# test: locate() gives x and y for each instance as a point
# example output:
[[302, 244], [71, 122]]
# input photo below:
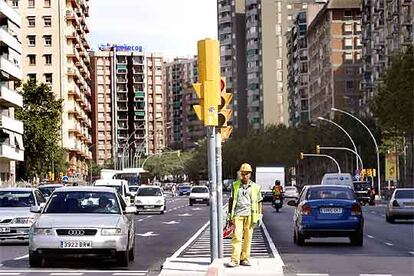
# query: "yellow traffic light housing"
[[301, 156], [225, 113], [318, 149], [208, 87]]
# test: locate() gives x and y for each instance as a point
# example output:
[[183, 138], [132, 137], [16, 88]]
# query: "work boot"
[[245, 263], [231, 264]]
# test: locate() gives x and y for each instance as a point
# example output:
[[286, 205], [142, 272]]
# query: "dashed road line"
[[312, 274], [21, 257], [9, 273], [411, 252], [389, 244], [375, 274], [66, 274], [369, 236]]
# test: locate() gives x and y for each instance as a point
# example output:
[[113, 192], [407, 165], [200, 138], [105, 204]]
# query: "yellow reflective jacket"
[[254, 196]]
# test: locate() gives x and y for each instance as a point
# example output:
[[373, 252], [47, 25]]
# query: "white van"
[[338, 179], [120, 185]]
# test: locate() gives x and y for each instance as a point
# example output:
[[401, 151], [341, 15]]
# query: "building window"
[[348, 28], [31, 76], [47, 3], [15, 3], [348, 56], [349, 85], [32, 59], [32, 40], [348, 43], [48, 40], [48, 78], [348, 15], [48, 21], [31, 3], [48, 59], [31, 21]]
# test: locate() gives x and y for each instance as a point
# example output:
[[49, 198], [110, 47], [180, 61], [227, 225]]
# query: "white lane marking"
[[19, 271], [148, 234], [382, 215], [66, 274], [185, 215], [375, 274], [9, 273], [389, 244], [411, 252], [272, 245], [140, 219], [312, 274], [196, 209], [184, 246], [130, 274], [171, 222], [21, 257], [369, 236], [149, 216]]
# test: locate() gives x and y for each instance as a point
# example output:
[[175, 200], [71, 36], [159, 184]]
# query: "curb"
[[214, 268]]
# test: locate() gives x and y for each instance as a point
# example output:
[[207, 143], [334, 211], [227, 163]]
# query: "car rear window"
[[404, 194], [362, 186], [199, 190], [329, 193], [149, 192]]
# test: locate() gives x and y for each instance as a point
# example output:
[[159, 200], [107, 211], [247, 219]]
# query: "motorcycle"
[[277, 202]]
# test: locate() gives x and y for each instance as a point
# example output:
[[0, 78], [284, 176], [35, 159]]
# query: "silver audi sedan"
[[83, 221], [15, 216]]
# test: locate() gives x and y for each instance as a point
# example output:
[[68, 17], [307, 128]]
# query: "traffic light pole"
[[212, 177], [219, 194]]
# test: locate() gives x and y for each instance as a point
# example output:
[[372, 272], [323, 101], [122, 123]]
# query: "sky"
[[171, 27]]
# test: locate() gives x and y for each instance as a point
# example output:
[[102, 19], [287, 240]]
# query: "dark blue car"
[[327, 211], [184, 190]]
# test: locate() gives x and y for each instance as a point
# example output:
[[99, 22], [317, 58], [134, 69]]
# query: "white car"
[[401, 205], [291, 192], [199, 194], [83, 221], [15, 215], [120, 185], [150, 199]]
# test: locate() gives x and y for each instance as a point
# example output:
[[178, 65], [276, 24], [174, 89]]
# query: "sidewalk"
[[193, 258]]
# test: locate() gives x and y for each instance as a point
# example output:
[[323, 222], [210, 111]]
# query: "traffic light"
[[301, 156], [224, 113], [318, 149], [208, 86]]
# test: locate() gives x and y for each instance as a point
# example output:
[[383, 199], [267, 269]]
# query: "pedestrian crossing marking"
[[200, 247]]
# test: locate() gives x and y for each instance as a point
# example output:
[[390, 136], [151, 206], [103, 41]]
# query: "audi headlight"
[[27, 220], [111, 231], [42, 231]]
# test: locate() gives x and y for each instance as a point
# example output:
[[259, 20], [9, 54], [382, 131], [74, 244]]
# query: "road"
[[158, 237], [388, 248]]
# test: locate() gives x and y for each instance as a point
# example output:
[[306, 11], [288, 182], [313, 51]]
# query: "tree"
[[41, 116], [393, 105]]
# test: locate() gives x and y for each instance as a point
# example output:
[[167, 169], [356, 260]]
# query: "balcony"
[[11, 124], [7, 11], [9, 70], [10, 152], [6, 38], [10, 98]]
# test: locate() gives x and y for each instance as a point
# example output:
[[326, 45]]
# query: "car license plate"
[[76, 244], [199, 199], [330, 210], [4, 230], [277, 201], [149, 206]]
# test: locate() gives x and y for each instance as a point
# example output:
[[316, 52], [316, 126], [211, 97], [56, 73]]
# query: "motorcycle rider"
[[277, 192]]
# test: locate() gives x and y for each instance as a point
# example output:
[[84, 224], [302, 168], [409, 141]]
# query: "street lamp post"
[[375, 143], [347, 149], [347, 134], [127, 145], [324, 155]]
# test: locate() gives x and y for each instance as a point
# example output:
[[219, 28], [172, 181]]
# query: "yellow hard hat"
[[245, 168]]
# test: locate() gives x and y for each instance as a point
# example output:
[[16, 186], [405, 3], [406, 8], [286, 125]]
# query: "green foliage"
[[41, 115], [393, 105], [167, 163]]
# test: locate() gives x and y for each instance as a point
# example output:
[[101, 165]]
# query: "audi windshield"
[[83, 202], [16, 199]]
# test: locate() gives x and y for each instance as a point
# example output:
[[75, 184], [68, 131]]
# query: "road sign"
[[65, 178]]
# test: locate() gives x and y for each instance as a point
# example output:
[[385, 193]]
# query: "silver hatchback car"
[[401, 205], [83, 221]]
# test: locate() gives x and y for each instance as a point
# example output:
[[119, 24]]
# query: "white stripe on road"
[[375, 274], [9, 273], [130, 274], [181, 249], [311, 274], [272, 245], [369, 236], [411, 252], [389, 244], [21, 257], [66, 274]]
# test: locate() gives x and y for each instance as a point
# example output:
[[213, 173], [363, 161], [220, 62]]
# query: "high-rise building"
[[231, 19], [179, 75], [193, 128], [334, 55], [11, 130], [127, 105], [54, 40], [387, 26]]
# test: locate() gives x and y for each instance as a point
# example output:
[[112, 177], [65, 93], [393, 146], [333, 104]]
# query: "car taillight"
[[356, 209], [395, 203], [306, 210]]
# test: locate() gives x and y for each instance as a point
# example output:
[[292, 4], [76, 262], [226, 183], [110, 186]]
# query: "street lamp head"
[[321, 118], [334, 109]]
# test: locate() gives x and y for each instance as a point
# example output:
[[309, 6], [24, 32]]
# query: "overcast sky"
[[171, 27]]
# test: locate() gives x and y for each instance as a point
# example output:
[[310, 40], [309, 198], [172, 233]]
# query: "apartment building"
[[231, 17], [54, 47], [387, 26], [155, 103], [335, 58], [179, 75], [11, 130], [193, 128]]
